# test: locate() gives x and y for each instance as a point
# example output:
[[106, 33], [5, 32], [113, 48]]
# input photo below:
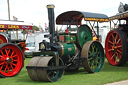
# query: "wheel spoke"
[[2, 63], [96, 62], [110, 42], [49, 73], [11, 67], [98, 57], [110, 49], [90, 59], [97, 50], [119, 51], [118, 40], [1, 56], [119, 46], [6, 52], [118, 57], [5, 68], [92, 66], [113, 55], [2, 52], [89, 51], [93, 47], [14, 60], [54, 74], [113, 37], [1, 67], [115, 59], [14, 64], [8, 69], [12, 54]]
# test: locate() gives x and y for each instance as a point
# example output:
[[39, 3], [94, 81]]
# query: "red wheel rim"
[[11, 60], [3, 39], [113, 47]]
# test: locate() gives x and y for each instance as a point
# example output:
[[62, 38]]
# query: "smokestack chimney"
[[51, 22]]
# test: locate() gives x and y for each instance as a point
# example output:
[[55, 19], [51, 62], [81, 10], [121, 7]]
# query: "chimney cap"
[[50, 6]]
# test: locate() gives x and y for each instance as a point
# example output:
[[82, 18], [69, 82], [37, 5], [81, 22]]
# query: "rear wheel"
[[116, 47], [11, 60], [93, 56]]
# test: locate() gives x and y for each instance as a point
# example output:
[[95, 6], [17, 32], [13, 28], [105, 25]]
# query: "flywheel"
[[84, 34]]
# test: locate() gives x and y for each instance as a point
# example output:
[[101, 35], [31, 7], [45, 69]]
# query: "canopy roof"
[[121, 16], [15, 25], [75, 17]]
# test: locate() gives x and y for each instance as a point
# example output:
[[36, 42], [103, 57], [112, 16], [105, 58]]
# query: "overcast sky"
[[35, 11]]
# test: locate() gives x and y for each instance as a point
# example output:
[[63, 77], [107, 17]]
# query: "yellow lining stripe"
[[62, 49]]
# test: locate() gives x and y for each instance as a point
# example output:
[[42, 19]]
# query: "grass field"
[[108, 74]]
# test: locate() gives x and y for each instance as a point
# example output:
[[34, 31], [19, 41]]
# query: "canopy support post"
[[97, 30]]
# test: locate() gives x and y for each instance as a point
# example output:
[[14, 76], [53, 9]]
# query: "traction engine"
[[11, 50], [67, 51], [116, 44]]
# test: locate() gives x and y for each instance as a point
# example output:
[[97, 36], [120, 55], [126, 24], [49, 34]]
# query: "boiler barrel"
[[65, 49]]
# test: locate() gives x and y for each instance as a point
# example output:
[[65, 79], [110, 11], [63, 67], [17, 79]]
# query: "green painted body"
[[67, 49], [69, 38]]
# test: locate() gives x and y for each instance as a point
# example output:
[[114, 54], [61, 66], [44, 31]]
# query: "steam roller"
[[65, 51]]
